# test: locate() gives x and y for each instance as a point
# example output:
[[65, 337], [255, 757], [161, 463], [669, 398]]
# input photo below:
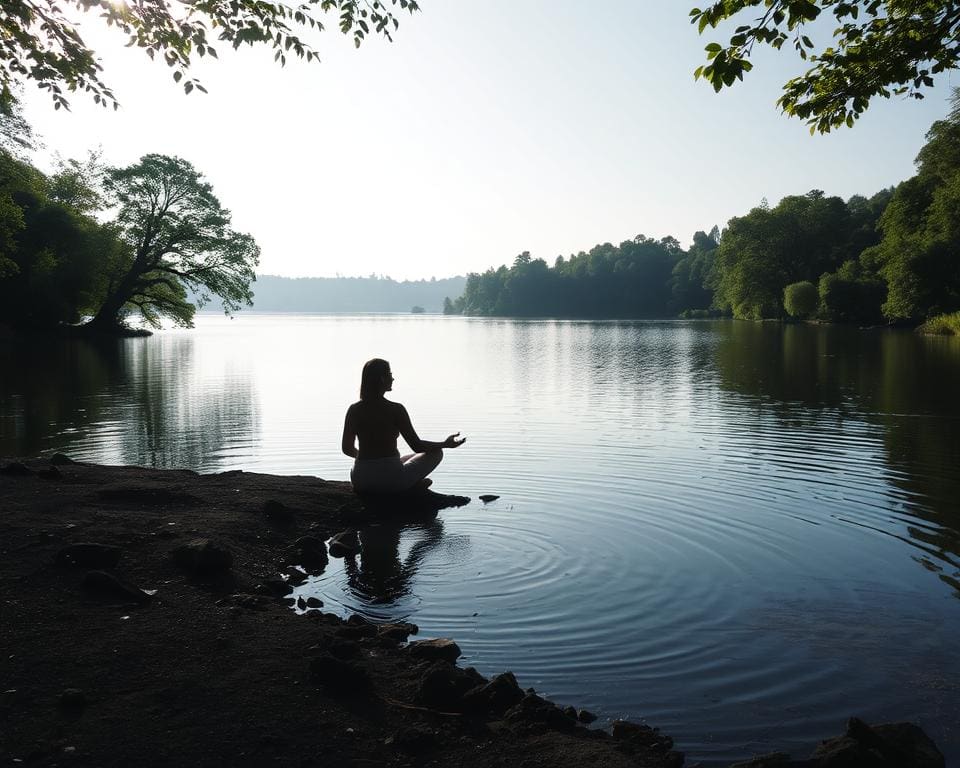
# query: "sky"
[[484, 130]]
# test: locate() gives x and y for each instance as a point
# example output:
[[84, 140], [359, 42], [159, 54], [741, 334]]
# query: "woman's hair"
[[371, 380]]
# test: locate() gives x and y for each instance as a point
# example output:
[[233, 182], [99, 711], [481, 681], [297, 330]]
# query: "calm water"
[[741, 533]]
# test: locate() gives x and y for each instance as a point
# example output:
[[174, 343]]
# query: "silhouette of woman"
[[375, 423]]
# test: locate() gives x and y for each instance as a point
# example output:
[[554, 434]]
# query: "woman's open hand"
[[454, 441]]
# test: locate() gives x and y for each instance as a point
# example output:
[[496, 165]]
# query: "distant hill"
[[349, 294]]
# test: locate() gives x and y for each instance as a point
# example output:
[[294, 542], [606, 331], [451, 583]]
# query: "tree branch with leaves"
[[39, 43], [879, 48]]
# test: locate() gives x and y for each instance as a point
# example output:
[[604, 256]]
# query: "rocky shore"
[[146, 620]]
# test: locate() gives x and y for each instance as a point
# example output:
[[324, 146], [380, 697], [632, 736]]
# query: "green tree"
[[178, 235], [40, 44], [879, 48], [919, 254], [800, 299]]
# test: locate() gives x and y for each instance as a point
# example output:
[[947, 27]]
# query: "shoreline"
[[214, 667]]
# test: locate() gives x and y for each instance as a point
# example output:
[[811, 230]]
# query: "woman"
[[375, 423]]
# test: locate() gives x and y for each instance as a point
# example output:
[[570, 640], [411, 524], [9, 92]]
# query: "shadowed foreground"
[[144, 621]]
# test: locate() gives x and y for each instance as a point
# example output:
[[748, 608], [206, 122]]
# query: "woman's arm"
[[413, 439], [349, 439]]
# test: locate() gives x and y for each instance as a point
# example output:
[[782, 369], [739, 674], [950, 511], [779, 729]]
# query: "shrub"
[[800, 299], [944, 325]]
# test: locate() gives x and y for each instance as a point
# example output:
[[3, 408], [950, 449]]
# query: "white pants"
[[394, 473]]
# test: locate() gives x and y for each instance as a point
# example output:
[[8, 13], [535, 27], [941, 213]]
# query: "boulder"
[[311, 553], [89, 555], [60, 459], [494, 697], [903, 745], [397, 631], [586, 716], [443, 686], [440, 649], [535, 710], [203, 559], [486, 498]]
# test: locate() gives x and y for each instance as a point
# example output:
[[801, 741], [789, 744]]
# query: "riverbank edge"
[[210, 665]]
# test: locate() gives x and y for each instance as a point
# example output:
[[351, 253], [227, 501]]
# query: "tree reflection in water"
[[904, 384]]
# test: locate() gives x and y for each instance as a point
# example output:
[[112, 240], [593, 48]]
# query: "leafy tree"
[[178, 235], [851, 293], [692, 275], [51, 255], [879, 48], [800, 299], [919, 255], [761, 253], [39, 43]]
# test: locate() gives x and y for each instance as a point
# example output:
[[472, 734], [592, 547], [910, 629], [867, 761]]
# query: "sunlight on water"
[[741, 533]]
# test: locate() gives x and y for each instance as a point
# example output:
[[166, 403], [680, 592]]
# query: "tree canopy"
[[179, 236], [38, 42], [879, 48]]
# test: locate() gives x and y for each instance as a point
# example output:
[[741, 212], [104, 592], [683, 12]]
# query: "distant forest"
[[891, 258], [272, 293]]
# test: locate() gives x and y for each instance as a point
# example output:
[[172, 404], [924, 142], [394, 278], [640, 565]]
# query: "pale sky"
[[486, 129]]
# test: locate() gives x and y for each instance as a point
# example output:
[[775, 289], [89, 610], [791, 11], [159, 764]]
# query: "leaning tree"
[[178, 237]]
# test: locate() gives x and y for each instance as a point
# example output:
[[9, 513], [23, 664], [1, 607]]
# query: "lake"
[[741, 533]]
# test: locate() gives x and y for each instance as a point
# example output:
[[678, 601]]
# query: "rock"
[[535, 710], [277, 512], [50, 473], [440, 649], [103, 584], [338, 675], [570, 712], [60, 459], [295, 576], [496, 696], [301, 603], [903, 745], [249, 602], [443, 686], [16, 469], [89, 555], [488, 497], [586, 716], [314, 602], [398, 631], [203, 559], [344, 544], [73, 698], [311, 553]]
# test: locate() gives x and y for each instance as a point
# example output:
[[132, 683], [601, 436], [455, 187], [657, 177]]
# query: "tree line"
[[105, 243], [893, 257]]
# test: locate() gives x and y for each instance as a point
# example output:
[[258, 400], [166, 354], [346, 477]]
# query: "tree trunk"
[[108, 316]]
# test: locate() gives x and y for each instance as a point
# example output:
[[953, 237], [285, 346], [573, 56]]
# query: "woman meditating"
[[375, 423]]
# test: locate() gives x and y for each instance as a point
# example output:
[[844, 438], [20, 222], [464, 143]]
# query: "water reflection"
[[383, 577], [903, 385], [155, 402]]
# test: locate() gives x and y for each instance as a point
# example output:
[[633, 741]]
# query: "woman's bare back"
[[376, 423]]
